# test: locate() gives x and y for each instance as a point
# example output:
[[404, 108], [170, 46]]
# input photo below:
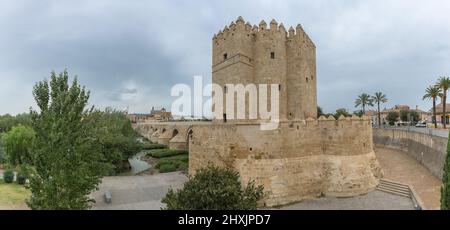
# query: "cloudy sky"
[[130, 53]]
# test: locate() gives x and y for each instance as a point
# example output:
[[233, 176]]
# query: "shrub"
[[182, 158], [21, 178], [214, 188], [165, 168], [184, 166], [150, 146], [161, 153], [8, 176], [180, 162]]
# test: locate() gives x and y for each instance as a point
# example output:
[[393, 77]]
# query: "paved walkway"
[[400, 167], [375, 200], [137, 192]]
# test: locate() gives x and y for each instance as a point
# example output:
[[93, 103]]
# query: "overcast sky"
[[130, 53]]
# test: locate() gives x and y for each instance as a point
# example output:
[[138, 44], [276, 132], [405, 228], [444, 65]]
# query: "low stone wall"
[[428, 150], [298, 161]]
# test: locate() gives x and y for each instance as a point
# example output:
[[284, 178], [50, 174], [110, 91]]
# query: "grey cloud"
[[129, 91], [398, 47]]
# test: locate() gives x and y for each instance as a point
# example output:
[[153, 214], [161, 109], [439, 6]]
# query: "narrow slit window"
[[279, 87], [225, 56]]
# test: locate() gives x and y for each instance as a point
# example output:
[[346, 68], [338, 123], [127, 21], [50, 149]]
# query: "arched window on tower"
[[272, 55]]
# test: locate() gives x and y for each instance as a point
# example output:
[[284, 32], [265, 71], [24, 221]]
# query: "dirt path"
[[400, 167]]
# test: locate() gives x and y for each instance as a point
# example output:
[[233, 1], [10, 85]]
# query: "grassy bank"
[[170, 160], [12, 196], [150, 146]]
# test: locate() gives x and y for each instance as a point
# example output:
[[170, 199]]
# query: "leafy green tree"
[[404, 114], [214, 188], [116, 136], [358, 113], [379, 98], [67, 161], [445, 187], [433, 92], [17, 144], [340, 112], [319, 111], [2, 151], [363, 101], [392, 117], [414, 115], [409, 115], [444, 84], [7, 121]]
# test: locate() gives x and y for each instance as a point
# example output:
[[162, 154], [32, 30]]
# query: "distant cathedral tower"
[[245, 54]]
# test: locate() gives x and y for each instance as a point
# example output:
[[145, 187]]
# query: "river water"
[[138, 165]]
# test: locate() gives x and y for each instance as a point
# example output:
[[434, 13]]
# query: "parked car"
[[421, 124], [402, 123]]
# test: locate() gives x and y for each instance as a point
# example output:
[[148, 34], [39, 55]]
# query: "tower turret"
[[243, 54]]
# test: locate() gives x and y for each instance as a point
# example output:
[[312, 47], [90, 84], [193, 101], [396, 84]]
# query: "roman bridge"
[[174, 134]]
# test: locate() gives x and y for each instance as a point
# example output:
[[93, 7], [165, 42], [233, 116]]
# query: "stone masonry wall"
[[300, 160], [428, 150], [268, 54]]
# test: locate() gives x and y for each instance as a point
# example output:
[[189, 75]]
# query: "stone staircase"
[[399, 189], [394, 188]]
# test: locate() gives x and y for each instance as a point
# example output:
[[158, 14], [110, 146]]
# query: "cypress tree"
[[445, 188]]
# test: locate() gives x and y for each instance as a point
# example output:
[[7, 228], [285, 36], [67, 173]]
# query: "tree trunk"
[[444, 109], [379, 116], [434, 113]]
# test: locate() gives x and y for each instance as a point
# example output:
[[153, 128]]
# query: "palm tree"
[[444, 84], [364, 100], [379, 98], [433, 92]]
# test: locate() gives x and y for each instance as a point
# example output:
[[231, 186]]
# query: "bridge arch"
[[189, 134], [174, 132]]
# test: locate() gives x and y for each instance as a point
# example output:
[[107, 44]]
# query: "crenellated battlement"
[[240, 26], [268, 54]]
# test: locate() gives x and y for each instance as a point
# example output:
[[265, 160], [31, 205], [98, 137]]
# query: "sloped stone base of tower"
[[299, 160], [295, 179]]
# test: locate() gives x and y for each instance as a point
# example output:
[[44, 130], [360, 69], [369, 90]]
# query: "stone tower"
[[245, 54], [305, 156]]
